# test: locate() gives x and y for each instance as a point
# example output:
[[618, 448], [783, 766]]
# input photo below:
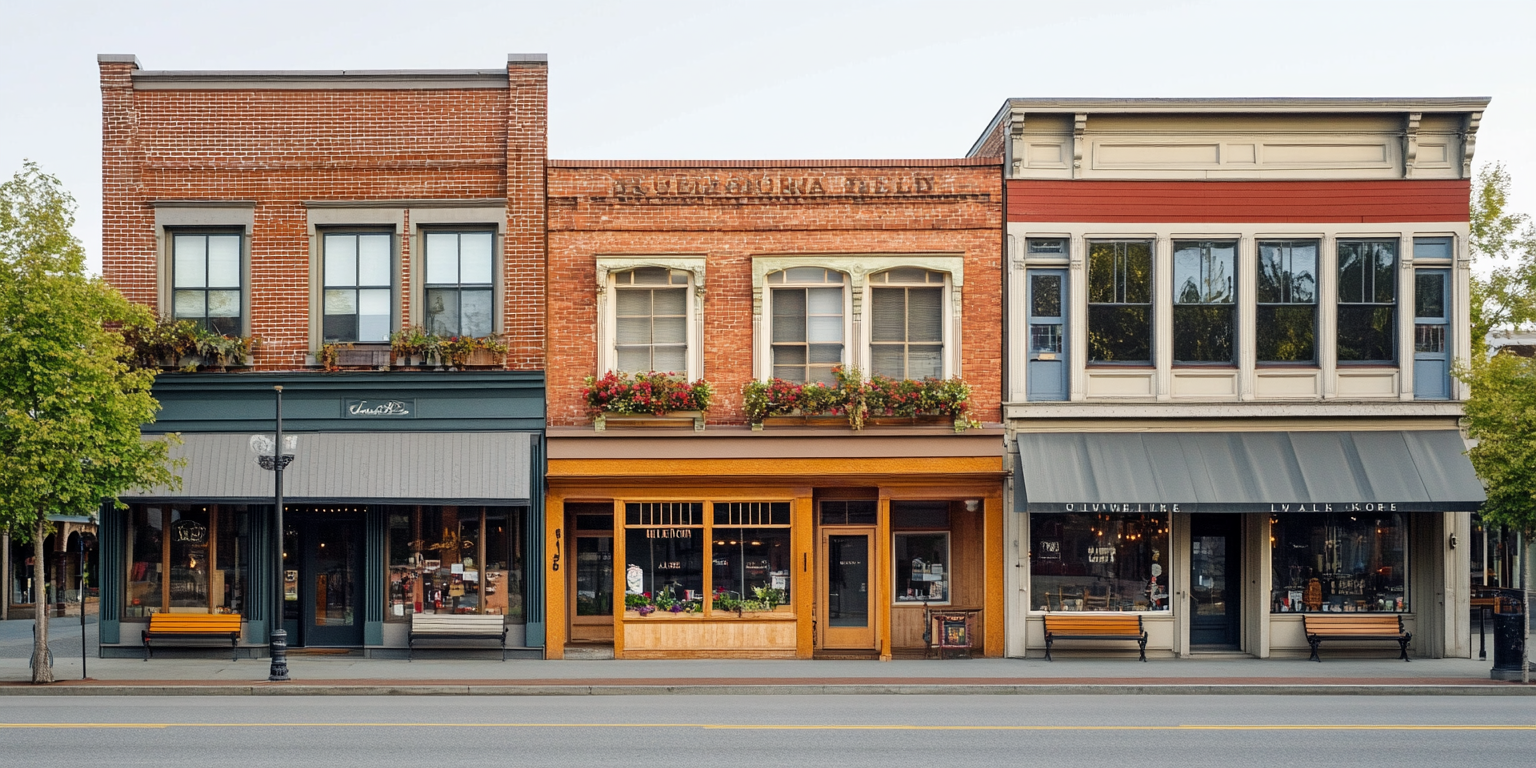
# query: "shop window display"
[[664, 545], [1098, 562], [746, 544], [455, 560], [922, 567], [187, 558], [1339, 563]]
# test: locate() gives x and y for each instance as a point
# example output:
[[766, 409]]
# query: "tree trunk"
[[41, 672]]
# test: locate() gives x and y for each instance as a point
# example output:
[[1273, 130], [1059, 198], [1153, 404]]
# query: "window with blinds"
[[651, 320], [807, 305], [906, 338]]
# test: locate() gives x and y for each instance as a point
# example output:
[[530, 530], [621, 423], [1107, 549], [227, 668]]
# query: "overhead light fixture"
[[971, 505]]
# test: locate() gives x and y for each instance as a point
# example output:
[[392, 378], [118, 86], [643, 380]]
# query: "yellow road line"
[[765, 727]]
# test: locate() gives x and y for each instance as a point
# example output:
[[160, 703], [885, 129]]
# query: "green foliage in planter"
[[646, 393], [414, 341], [159, 341], [859, 400]]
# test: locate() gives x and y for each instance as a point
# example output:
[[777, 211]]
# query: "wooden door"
[[848, 594]]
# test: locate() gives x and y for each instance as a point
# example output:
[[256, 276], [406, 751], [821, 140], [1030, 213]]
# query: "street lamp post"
[[278, 648]]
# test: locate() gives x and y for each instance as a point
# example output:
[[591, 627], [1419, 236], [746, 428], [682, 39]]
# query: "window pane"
[[825, 301], [145, 561], [671, 301], [889, 313], [223, 261], [923, 567], [925, 308], [752, 565], [188, 567], [1286, 334], [341, 302], [1045, 295], [788, 315], [1303, 279], [1274, 272], [1202, 333], [442, 258], [668, 330], [925, 362], [669, 359], [1103, 262], [228, 326], [1431, 248], [665, 563], [907, 275], [191, 261], [340, 260], [373, 259], [650, 276], [789, 354], [443, 311], [819, 375], [1429, 295], [475, 258], [1339, 563], [1352, 274], [826, 329], [1366, 333], [887, 360], [234, 556], [805, 274], [634, 359], [223, 303], [1045, 337], [1429, 338], [1203, 272], [1137, 277], [632, 303], [633, 330], [190, 304], [1384, 261], [373, 315], [340, 328], [1099, 562], [475, 313], [826, 353], [1119, 333]]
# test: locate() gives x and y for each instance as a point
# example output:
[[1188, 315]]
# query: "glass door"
[[592, 588], [1215, 581], [849, 621], [1431, 323], [1047, 371], [329, 582]]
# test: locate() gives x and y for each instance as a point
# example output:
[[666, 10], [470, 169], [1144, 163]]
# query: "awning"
[[1276, 472], [367, 467]]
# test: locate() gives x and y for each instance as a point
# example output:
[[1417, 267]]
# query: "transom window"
[[907, 332], [1120, 301], [459, 283], [205, 281], [359, 290], [1286, 321], [1367, 301], [1204, 301], [651, 320], [807, 323]]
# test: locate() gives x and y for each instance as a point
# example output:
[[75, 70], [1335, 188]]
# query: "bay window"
[[1120, 301], [1204, 302]]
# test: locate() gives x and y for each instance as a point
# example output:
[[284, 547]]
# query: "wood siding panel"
[[1238, 201]]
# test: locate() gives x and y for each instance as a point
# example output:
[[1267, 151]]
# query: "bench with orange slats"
[[1358, 626], [1077, 626], [186, 626]]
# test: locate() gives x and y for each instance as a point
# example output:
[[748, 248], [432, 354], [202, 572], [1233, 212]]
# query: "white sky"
[[783, 79]]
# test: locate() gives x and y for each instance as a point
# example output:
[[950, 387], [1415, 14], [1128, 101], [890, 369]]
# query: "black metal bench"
[[1077, 626]]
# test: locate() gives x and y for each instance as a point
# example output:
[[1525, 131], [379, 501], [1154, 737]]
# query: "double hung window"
[[358, 287], [907, 332], [808, 327], [206, 281], [1286, 320], [1367, 301], [1120, 301], [1204, 301], [459, 285], [651, 320]]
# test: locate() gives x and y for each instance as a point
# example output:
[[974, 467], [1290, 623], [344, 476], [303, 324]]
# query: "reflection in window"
[[455, 559], [187, 558], [907, 331], [1098, 562], [1204, 301], [146, 566], [205, 281], [664, 546], [459, 282], [1286, 320], [651, 320], [1367, 301], [1339, 563], [807, 324], [1120, 302], [358, 287]]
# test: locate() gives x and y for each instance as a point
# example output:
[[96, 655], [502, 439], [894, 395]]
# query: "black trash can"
[[1508, 634]]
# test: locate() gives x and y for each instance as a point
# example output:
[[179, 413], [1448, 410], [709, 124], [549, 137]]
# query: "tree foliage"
[[1501, 416], [1505, 243], [71, 407]]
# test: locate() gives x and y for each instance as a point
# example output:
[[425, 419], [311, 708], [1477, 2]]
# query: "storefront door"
[[1046, 377], [323, 595], [1431, 358], [592, 588], [847, 588], [1214, 580]]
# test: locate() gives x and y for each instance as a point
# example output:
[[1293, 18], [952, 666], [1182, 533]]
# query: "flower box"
[[362, 357], [485, 358], [819, 420], [880, 401], [647, 400], [669, 420]]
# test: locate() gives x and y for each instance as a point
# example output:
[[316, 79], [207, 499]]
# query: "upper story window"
[[1367, 301], [459, 283], [906, 339], [651, 320], [359, 292], [808, 323], [205, 281], [1120, 301], [1286, 321], [1204, 301]]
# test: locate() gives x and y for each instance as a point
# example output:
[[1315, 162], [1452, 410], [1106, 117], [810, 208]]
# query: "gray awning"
[[377, 467], [1403, 471]]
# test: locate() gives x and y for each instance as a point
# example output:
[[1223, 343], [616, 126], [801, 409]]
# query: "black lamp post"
[[278, 648]]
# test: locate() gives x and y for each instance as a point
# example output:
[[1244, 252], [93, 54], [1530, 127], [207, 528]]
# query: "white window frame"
[[608, 266], [858, 268], [848, 327]]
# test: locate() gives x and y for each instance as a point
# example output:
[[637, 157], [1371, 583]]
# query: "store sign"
[[189, 532], [1353, 506], [379, 409], [669, 533], [774, 185]]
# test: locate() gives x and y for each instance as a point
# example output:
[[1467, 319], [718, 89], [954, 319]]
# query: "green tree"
[[1504, 243], [70, 406]]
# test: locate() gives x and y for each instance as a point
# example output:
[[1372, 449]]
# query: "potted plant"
[[409, 345], [489, 352], [647, 399]]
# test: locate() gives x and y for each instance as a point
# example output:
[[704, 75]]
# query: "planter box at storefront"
[[484, 358], [362, 358], [925, 420], [673, 420], [827, 421], [756, 635]]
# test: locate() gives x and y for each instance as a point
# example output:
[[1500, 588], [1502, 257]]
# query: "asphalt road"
[[682, 731]]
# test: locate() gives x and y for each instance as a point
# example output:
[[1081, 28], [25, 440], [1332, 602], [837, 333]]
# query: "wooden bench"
[[189, 626], [1355, 627], [448, 626], [1079, 626]]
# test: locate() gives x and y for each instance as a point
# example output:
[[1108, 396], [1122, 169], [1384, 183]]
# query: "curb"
[[913, 689]]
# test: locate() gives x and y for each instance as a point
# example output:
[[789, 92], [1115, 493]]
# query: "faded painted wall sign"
[[774, 185]]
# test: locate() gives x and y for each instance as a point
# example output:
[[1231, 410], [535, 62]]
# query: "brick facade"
[[733, 211], [280, 147]]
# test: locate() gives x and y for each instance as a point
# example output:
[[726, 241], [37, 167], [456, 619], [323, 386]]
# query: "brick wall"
[[283, 147], [732, 211]]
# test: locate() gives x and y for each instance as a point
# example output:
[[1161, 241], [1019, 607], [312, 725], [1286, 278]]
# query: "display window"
[[923, 569], [1098, 562], [456, 560], [187, 558], [1340, 563], [666, 546]]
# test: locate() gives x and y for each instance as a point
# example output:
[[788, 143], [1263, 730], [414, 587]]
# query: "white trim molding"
[[607, 266]]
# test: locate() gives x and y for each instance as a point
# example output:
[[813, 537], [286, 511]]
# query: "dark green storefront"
[[410, 492]]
